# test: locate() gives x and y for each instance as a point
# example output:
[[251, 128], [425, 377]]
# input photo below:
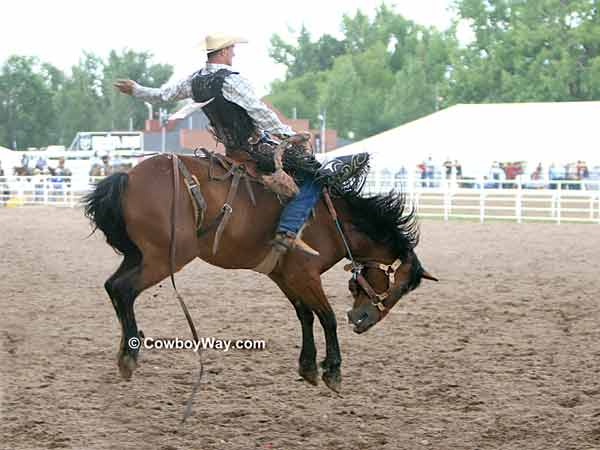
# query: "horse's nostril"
[[362, 318]]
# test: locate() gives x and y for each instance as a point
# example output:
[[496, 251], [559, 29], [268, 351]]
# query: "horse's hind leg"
[[121, 288]]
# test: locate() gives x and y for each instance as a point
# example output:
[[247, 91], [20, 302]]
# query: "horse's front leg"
[[308, 355], [332, 374], [308, 292]]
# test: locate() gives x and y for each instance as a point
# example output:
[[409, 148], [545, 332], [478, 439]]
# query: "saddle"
[[340, 177], [264, 160]]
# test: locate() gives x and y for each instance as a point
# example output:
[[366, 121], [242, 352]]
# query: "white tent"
[[477, 135]]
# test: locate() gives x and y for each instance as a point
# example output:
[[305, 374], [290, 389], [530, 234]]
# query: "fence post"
[[446, 199], [21, 190], [519, 202], [45, 191], [558, 201], [481, 201]]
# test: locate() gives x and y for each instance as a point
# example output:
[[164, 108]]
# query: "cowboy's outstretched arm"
[[167, 92]]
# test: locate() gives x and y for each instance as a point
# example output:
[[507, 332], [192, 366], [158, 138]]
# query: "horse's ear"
[[428, 276]]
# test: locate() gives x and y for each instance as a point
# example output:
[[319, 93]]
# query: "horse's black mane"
[[383, 219]]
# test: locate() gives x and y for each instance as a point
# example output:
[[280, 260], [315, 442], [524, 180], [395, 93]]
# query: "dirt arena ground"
[[503, 353]]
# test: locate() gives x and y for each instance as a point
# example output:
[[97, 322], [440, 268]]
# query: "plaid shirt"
[[236, 89]]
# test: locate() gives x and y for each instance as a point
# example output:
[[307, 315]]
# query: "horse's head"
[[377, 286], [386, 266]]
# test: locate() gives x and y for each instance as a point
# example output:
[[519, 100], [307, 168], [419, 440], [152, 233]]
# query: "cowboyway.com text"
[[204, 343]]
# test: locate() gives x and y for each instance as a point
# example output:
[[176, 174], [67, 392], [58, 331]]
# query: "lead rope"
[[196, 385]]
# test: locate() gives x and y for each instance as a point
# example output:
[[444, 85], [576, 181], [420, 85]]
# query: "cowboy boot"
[[285, 241]]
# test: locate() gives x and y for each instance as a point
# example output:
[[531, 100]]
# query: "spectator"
[[102, 167], [582, 170], [448, 165], [553, 174], [458, 169], [61, 174], [422, 173], [61, 170], [496, 175], [41, 164], [25, 161], [429, 171], [537, 173], [571, 175]]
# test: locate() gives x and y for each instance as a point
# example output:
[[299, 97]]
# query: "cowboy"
[[239, 120]]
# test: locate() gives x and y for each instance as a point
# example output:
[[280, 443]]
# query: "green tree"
[[302, 94], [27, 111], [40, 105], [80, 100], [384, 72], [355, 94], [412, 96], [89, 102], [306, 56], [119, 109], [547, 50]]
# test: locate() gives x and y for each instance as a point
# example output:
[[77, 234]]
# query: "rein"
[[378, 300], [186, 312], [220, 222]]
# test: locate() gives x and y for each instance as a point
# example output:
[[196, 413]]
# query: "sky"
[[59, 31]]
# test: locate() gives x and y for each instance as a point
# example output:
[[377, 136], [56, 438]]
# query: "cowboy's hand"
[[125, 86]]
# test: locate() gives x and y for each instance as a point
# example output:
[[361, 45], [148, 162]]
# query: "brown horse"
[[141, 212]]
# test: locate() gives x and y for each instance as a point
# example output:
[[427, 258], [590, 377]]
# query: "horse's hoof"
[[127, 365], [333, 380], [310, 374]]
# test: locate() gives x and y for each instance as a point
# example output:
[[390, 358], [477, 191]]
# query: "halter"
[[378, 300]]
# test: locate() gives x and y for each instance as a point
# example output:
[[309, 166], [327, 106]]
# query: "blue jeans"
[[297, 210]]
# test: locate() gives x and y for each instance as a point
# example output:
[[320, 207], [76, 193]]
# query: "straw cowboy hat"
[[218, 41]]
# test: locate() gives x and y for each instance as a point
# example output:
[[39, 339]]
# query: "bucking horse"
[[169, 210]]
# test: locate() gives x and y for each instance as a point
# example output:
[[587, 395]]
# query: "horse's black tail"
[[104, 209]]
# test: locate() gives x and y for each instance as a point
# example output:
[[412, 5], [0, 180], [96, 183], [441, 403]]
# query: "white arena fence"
[[481, 200], [44, 190]]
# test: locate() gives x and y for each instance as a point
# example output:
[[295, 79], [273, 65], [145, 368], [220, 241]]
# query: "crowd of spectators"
[[41, 179], [578, 171], [102, 166], [4, 191], [502, 174], [31, 166]]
